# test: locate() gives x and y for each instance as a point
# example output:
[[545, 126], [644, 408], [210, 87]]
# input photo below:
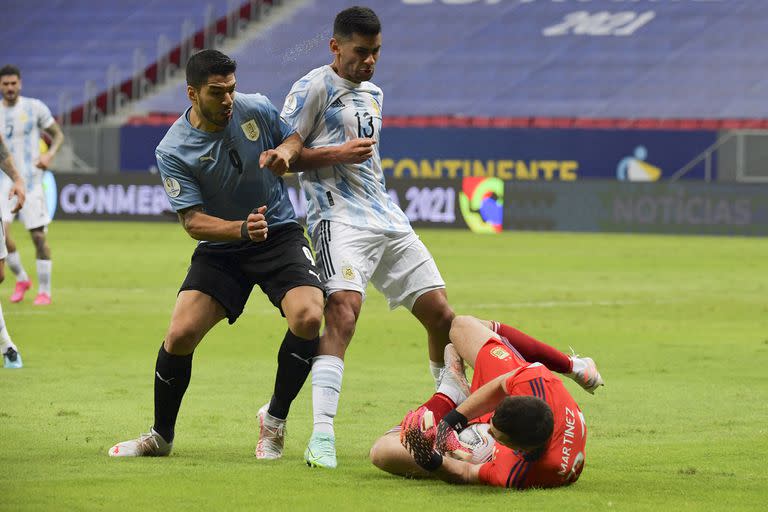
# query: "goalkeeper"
[[538, 429]]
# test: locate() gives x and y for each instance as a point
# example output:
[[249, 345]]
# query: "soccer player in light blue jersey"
[[359, 233], [11, 356], [215, 162], [21, 120]]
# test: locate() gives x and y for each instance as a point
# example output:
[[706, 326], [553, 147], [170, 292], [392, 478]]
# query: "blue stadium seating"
[[693, 59], [690, 59], [59, 44]]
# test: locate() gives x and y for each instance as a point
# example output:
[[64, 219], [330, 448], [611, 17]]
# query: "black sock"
[[294, 362], [172, 374]]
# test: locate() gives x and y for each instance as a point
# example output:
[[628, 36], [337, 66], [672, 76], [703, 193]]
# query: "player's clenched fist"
[[356, 151], [255, 226], [276, 161]]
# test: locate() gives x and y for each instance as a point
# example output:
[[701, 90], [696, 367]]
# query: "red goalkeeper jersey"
[[560, 462]]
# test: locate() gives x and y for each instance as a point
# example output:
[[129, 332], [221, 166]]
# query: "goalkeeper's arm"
[[445, 468], [419, 445], [485, 399], [457, 472], [482, 401]]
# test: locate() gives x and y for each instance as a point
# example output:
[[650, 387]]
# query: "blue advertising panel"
[[508, 154], [137, 147], [542, 154], [484, 205]]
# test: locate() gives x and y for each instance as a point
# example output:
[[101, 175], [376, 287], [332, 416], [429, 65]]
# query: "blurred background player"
[[230, 142], [359, 234], [11, 356], [538, 428], [21, 120]]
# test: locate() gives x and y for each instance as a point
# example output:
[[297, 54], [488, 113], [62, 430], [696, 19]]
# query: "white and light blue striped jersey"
[[21, 125], [327, 110]]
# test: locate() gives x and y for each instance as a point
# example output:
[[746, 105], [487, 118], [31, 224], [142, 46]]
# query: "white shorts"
[[3, 249], [398, 264], [34, 214]]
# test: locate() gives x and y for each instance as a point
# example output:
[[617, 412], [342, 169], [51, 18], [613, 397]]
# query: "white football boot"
[[150, 444], [271, 435], [453, 381], [585, 373]]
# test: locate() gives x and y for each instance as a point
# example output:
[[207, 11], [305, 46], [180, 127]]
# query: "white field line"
[[561, 304]]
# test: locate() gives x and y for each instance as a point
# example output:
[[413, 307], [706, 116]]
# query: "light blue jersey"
[[220, 170], [21, 125], [327, 110]]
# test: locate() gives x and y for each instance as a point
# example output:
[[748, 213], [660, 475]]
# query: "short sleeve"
[[182, 189], [303, 107], [44, 118], [277, 125]]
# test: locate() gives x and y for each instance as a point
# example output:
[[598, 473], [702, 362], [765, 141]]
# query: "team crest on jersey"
[[499, 352], [172, 187], [251, 130], [348, 273], [376, 108]]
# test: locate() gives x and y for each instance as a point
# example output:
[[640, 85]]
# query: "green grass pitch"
[[677, 325]]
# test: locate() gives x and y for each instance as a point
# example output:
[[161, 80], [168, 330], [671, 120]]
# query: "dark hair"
[[359, 20], [527, 420], [206, 63], [10, 70]]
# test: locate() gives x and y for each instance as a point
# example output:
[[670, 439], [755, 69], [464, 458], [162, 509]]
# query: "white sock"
[[435, 369], [327, 372], [5, 338], [44, 276], [14, 263]]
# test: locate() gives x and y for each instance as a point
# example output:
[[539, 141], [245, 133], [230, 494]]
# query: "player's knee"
[[443, 318], [38, 239], [306, 322], [377, 454], [341, 318], [345, 323], [434, 312], [459, 325], [181, 339], [2, 273]]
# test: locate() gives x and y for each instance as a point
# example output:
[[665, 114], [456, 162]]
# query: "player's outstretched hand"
[[257, 224], [356, 151], [18, 190], [276, 161]]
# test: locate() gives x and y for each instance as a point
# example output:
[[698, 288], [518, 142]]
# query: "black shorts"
[[228, 273]]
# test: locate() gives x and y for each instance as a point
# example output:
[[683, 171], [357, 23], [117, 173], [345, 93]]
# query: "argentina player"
[[215, 163], [359, 233], [22, 119], [11, 356]]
